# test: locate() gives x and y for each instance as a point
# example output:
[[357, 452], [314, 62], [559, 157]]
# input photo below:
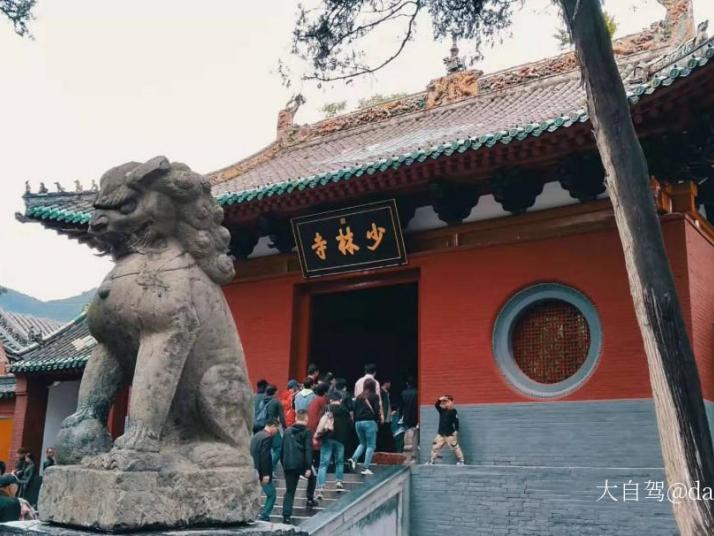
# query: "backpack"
[[301, 401], [261, 415], [326, 425], [293, 454]]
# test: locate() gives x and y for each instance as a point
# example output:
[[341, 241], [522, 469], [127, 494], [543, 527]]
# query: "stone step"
[[330, 484], [301, 502], [301, 512], [275, 518], [328, 497], [347, 477], [298, 512], [328, 494]]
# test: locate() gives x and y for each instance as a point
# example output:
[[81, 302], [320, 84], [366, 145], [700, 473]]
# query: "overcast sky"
[[104, 82]]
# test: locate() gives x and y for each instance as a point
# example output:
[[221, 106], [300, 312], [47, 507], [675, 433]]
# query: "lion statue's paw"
[[81, 435], [138, 437]]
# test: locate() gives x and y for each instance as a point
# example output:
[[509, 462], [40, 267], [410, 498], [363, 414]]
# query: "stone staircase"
[[301, 512]]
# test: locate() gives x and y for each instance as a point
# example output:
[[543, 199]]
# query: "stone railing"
[[380, 506]]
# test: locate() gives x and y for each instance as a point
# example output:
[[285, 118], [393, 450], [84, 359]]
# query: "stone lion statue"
[[164, 327]]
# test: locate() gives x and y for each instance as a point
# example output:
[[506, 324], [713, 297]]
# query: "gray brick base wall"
[[620, 433], [534, 501], [709, 407]]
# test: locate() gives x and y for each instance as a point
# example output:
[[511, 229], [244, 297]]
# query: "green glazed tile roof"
[[68, 348], [74, 208], [485, 121], [17, 329], [7, 386], [564, 94], [52, 213]]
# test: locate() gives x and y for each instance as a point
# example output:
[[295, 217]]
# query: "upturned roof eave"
[[698, 58], [516, 133]]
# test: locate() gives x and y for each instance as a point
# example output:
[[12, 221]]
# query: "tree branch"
[[367, 70], [19, 13], [331, 36]]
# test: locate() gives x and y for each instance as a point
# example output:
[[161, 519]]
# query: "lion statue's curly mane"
[[198, 215]]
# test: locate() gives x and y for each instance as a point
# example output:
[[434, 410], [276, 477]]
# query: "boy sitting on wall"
[[448, 430]]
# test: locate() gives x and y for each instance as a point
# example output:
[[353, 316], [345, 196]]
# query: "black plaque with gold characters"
[[350, 239]]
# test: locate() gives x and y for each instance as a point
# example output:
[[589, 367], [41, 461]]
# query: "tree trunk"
[[681, 418]]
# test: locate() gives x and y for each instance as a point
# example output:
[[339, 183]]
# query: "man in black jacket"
[[50, 459], [410, 415], [448, 429], [274, 411], [260, 449], [258, 397], [410, 408], [297, 459]]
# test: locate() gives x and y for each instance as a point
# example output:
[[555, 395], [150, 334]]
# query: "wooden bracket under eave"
[[661, 196], [683, 196]]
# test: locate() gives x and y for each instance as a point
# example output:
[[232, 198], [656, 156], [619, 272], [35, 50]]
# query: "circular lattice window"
[[550, 341], [547, 339]]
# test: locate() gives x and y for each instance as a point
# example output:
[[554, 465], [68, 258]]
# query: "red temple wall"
[[263, 313], [7, 411], [700, 251], [460, 295], [457, 320]]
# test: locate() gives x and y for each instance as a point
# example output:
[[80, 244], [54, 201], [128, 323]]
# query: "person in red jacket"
[[314, 412], [286, 399]]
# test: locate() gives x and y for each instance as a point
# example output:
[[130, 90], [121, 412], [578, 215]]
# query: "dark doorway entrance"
[[376, 325]]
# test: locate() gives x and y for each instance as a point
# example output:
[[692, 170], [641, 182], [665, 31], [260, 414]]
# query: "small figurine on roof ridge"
[[60, 188], [458, 83], [453, 62], [702, 32]]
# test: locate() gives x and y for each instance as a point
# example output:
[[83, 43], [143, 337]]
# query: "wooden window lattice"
[[550, 341]]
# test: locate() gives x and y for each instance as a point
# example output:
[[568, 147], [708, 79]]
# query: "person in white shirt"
[[370, 371]]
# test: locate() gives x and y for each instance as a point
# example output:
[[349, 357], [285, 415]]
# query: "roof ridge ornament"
[[459, 83], [286, 116], [453, 62], [678, 23], [702, 34]]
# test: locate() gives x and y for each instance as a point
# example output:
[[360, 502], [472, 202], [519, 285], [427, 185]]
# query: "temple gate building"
[[488, 265], [17, 332]]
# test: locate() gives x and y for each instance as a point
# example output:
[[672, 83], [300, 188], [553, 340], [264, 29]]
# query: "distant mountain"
[[64, 310]]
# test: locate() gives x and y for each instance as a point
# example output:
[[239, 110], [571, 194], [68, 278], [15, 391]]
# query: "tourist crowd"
[[20, 489], [311, 425], [306, 429]]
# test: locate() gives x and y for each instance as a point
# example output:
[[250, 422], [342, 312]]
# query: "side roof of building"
[[67, 348], [20, 330]]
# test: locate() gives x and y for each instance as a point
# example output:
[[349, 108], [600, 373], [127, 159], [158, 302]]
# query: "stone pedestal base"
[[132, 500], [259, 528]]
